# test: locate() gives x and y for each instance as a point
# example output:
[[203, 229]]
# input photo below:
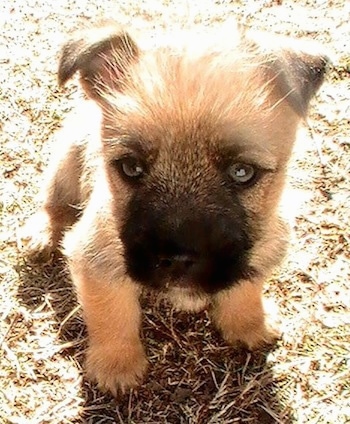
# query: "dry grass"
[[194, 377]]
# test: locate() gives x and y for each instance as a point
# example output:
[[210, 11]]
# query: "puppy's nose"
[[176, 265]]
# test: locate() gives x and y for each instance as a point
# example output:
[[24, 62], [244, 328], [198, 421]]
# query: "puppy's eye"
[[242, 173], [131, 167]]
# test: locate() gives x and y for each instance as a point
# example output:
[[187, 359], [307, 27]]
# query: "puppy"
[[170, 180]]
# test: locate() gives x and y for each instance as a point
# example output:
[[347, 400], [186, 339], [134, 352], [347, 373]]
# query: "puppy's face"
[[195, 149], [198, 173]]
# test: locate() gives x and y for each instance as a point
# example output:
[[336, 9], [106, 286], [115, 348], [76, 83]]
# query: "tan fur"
[[190, 98], [115, 358], [240, 316]]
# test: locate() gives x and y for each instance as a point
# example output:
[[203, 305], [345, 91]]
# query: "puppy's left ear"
[[299, 75], [298, 67]]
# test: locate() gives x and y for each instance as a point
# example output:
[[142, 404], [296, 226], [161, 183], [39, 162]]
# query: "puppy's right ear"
[[101, 55]]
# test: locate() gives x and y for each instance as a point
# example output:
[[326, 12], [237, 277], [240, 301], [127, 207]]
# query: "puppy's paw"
[[253, 337], [257, 331], [116, 369], [265, 335], [269, 332], [37, 238]]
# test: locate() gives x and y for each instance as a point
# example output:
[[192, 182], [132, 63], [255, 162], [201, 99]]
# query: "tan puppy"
[[170, 181]]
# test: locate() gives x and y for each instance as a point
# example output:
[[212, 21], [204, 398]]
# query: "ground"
[[194, 377]]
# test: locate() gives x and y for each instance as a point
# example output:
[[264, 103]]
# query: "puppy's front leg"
[[240, 316], [115, 358]]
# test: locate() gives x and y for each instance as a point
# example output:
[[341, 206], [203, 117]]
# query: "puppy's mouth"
[[188, 272], [176, 269], [185, 297], [190, 250], [183, 284]]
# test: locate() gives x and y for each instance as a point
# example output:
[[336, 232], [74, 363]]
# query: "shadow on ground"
[[193, 377]]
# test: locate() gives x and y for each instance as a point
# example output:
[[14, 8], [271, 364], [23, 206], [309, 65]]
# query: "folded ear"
[[299, 76], [101, 55], [298, 67]]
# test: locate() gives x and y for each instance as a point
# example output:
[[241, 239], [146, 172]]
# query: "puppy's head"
[[196, 138]]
